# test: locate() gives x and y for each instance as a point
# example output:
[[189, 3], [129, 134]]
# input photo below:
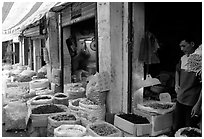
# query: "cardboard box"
[[131, 129], [160, 123]]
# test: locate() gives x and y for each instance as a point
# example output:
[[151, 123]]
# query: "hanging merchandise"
[[148, 49], [85, 51]]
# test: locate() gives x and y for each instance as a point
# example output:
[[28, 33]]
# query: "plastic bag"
[[15, 115]]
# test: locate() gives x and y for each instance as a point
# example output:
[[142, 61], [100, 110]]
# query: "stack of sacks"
[[40, 87]]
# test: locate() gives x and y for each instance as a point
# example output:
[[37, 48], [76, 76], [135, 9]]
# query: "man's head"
[[187, 45]]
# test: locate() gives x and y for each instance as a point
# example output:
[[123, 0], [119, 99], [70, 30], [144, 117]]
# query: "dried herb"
[[136, 119], [44, 97], [103, 129], [64, 117], [46, 109]]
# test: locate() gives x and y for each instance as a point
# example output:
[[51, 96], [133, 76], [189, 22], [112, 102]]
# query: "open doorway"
[[169, 21], [82, 48]]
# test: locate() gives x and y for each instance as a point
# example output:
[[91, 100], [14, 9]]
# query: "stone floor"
[[14, 133]]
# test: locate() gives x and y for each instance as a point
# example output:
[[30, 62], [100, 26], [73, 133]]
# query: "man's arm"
[[197, 106], [177, 85]]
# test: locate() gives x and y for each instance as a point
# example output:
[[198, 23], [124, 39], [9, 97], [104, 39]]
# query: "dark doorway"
[[168, 21]]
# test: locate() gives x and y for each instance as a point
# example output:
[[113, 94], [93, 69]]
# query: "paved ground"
[[19, 133]]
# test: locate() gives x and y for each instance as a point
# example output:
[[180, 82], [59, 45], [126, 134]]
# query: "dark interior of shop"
[[169, 22], [84, 58]]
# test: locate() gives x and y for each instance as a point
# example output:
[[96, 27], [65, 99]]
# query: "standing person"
[[188, 88]]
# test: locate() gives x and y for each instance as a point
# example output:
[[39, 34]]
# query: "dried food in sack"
[[46, 109], [70, 131], [39, 92], [15, 115], [90, 111], [16, 93], [39, 84], [24, 78], [74, 105], [188, 132], [55, 120], [61, 98], [136, 119], [40, 113], [86, 103], [75, 92], [103, 129], [29, 73], [92, 115], [41, 75], [43, 69], [42, 99], [97, 96], [157, 106]]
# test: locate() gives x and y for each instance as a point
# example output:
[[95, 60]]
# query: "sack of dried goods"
[[43, 69], [90, 111], [70, 131], [103, 129], [24, 78], [97, 96], [75, 90], [188, 132], [40, 113], [157, 106], [15, 115], [42, 99], [17, 91], [74, 105], [39, 84], [55, 120], [30, 73], [61, 98]]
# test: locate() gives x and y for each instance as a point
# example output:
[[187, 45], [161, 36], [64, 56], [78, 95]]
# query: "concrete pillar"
[[36, 54], [21, 51], [25, 51], [52, 44], [138, 29], [112, 43], [66, 57]]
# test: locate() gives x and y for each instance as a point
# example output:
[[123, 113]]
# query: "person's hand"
[[195, 110], [177, 87]]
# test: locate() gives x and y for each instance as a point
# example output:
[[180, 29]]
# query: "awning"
[[16, 16]]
